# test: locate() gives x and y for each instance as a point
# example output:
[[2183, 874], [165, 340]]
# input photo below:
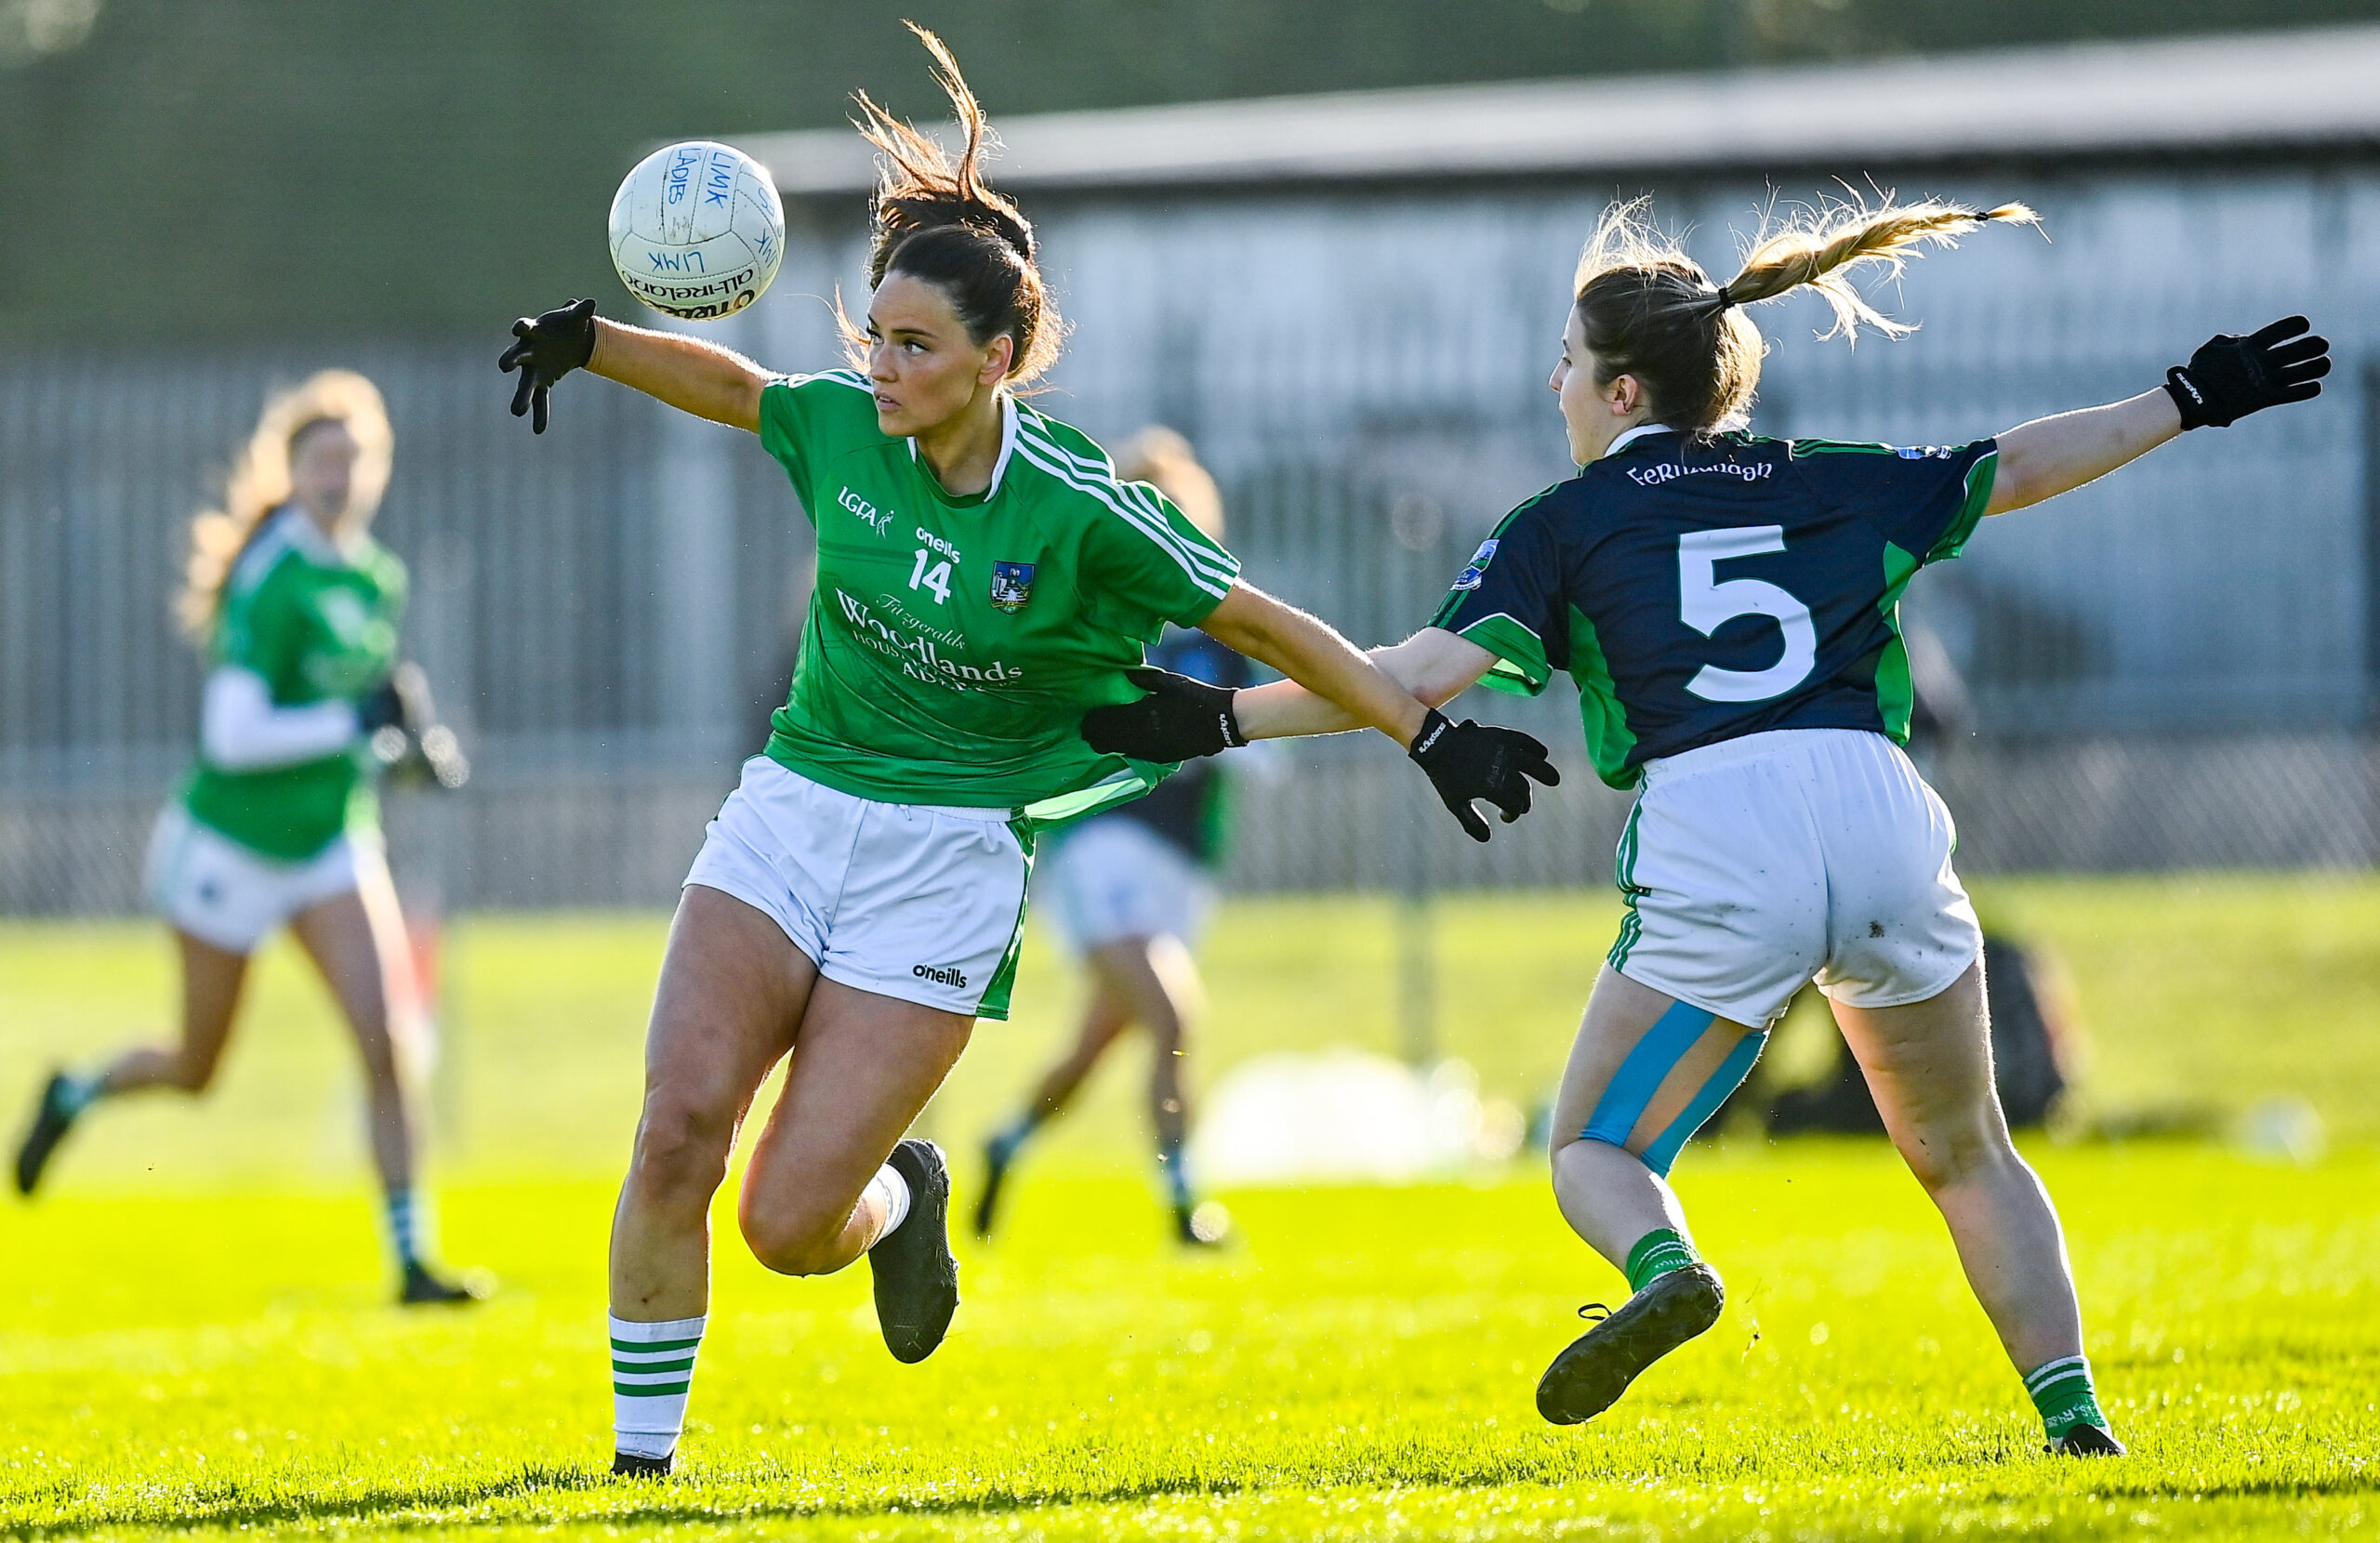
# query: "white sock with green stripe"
[[652, 1365]]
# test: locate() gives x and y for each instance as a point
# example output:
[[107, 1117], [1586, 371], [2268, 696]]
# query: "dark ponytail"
[[936, 220]]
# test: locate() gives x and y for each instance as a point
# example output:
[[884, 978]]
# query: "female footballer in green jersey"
[[298, 607], [1727, 607], [984, 579]]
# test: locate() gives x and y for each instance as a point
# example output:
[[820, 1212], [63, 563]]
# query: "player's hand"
[[2230, 378], [1470, 761], [546, 348], [1179, 719]]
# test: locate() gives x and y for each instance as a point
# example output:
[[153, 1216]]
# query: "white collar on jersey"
[[1630, 436], [299, 528], [1008, 446]]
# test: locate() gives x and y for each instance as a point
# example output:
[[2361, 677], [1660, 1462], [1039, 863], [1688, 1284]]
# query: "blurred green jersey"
[[319, 624]]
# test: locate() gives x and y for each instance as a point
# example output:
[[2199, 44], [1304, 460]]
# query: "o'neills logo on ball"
[[939, 975]]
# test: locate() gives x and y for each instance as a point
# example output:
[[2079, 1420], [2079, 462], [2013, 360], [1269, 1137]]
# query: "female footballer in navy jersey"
[[1727, 607]]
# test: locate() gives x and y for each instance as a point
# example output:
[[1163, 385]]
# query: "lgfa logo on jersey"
[[1469, 578], [880, 523], [1012, 586], [1925, 452]]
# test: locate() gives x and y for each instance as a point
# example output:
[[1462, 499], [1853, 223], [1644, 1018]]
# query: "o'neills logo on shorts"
[[939, 975]]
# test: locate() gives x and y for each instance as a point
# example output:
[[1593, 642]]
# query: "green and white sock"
[[404, 1228], [652, 1365], [1655, 1255], [2062, 1392]]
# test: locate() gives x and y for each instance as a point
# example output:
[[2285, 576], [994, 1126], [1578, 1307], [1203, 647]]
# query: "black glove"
[[1470, 761], [545, 351], [1180, 719], [385, 708], [2230, 378], [401, 720]]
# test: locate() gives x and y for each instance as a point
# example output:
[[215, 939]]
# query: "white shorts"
[[224, 893], [920, 902], [1113, 877], [1756, 865]]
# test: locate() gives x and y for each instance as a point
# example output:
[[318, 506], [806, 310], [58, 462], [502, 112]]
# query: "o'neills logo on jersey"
[[1654, 476], [941, 975], [918, 658]]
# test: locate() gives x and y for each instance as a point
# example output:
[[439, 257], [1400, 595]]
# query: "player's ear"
[[999, 355], [1626, 393]]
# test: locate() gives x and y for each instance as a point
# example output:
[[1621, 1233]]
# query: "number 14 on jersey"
[[936, 580]]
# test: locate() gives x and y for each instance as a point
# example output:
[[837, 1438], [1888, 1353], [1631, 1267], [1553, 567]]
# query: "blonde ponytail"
[[260, 484], [1651, 311], [1820, 252]]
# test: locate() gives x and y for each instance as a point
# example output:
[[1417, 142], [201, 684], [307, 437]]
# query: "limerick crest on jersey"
[[1012, 586]]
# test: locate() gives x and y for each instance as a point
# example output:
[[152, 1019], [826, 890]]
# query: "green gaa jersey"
[[954, 643], [319, 624]]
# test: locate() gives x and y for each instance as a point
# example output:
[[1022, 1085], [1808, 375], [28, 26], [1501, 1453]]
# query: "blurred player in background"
[[1130, 891], [298, 610], [983, 579], [1726, 605]]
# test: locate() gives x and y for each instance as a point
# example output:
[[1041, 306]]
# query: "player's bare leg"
[[212, 979], [735, 998], [1644, 1070], [1929, 1065]]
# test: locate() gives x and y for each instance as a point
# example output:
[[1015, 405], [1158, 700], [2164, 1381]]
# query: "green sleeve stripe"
[[1520, 664], [1980, 476]]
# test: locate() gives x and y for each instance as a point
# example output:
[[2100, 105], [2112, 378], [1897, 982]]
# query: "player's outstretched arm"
[[1433, 665], [2226, 379], [1315, 657], [690, 375], [1332, 687]]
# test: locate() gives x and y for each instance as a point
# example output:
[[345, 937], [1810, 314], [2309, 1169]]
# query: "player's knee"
[[192, 1071], [1957, 1152], [681, 1152], [791, 1240]]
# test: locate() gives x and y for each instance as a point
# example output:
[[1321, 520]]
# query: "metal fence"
[[2171, 669]]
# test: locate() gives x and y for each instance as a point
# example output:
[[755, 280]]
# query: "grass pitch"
[[195, 1337]]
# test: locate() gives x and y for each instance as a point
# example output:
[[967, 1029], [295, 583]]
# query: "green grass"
[[192, 1333]]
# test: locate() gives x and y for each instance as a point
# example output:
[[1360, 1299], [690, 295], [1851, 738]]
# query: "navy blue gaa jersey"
[[1698, 592]]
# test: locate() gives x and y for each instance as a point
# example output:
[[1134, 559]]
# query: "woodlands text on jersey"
[[1698, 592], [954, 643]]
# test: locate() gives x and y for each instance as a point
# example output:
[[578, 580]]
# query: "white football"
[[697, 230]]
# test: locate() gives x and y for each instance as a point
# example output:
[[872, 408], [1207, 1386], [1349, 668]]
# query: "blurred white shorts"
[[924, 902], [224, 893], [1755, 865], [1113, 877]]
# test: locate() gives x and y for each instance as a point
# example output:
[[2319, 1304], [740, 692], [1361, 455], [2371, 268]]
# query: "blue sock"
[[1177, 1177], [1009, 1138], [404, 1229], [79, 1091]]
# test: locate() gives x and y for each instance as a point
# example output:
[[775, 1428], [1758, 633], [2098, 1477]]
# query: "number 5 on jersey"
[[1706, 604], [937, 580]]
